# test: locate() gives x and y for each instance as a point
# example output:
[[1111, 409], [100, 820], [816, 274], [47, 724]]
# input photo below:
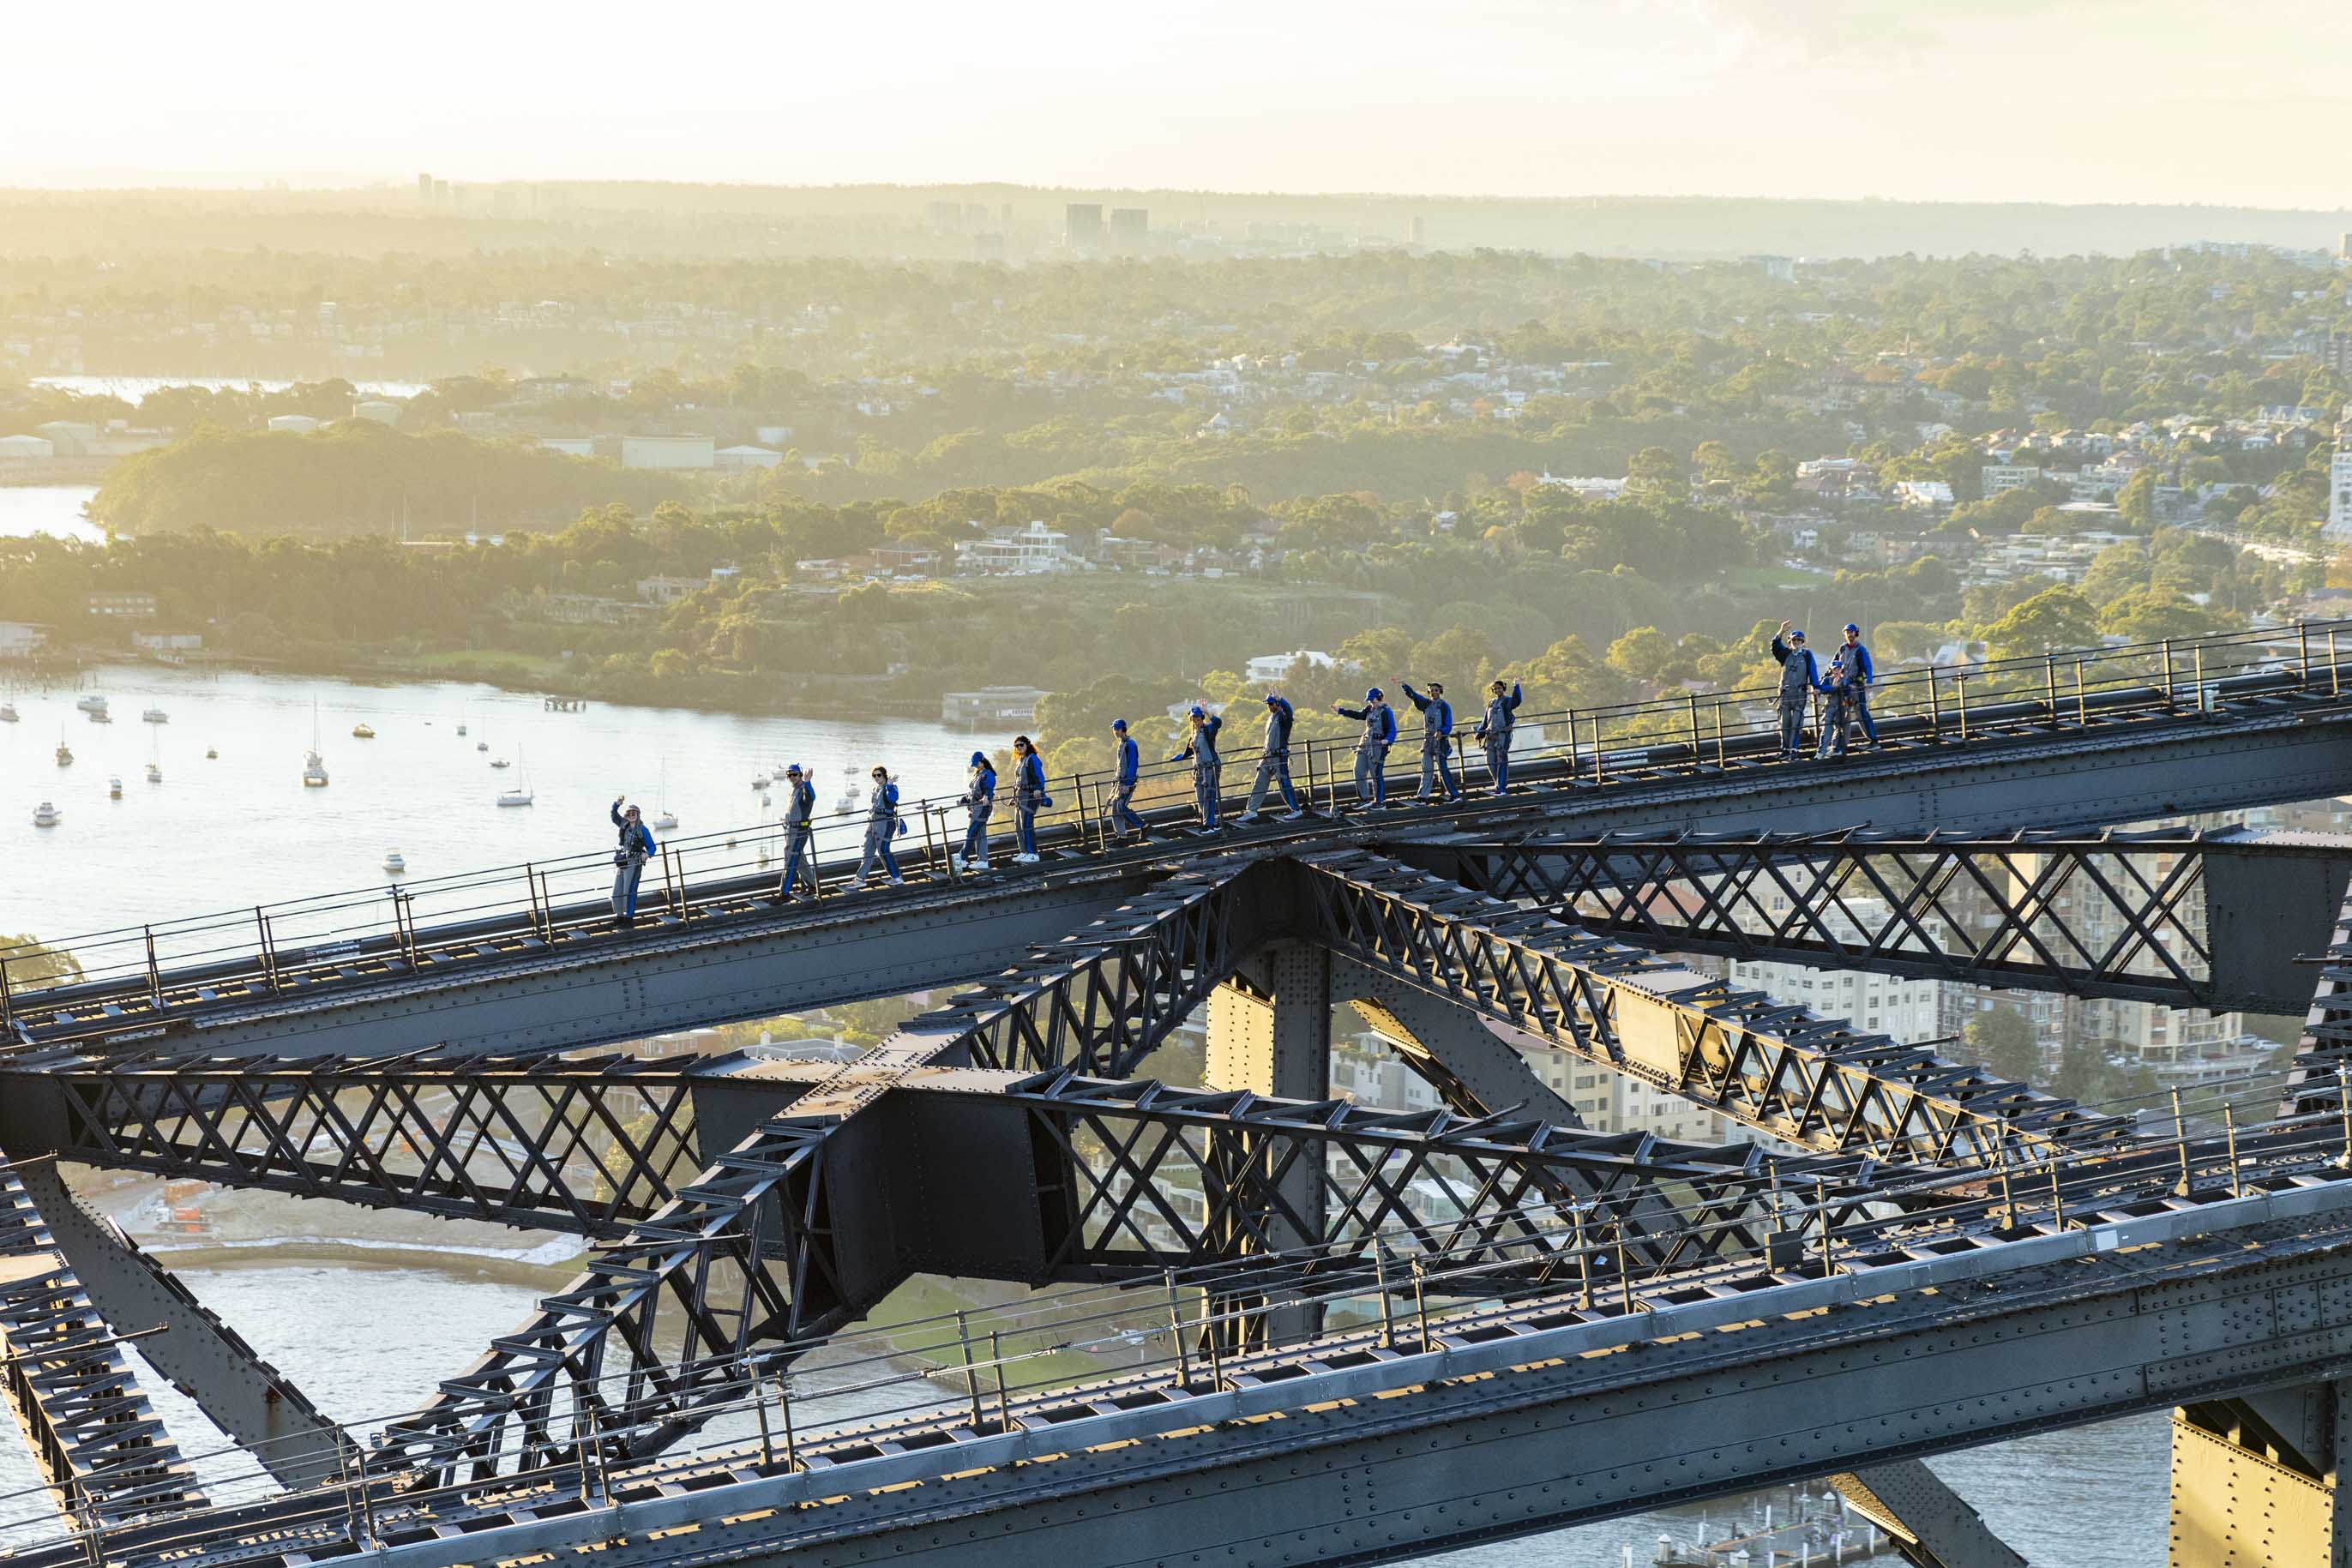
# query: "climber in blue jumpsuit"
[[1372, 750], [1436, 740]]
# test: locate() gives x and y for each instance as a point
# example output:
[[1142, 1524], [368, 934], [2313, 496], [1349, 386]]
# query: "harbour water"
[[28, 509], [242, 830], [134, 389]]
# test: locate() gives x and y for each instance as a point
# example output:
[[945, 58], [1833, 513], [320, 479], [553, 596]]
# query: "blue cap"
[[1853, 628], [1796, 636], [1118, 723], [979, 759], [1273, 697], [1373, 695], [1199, 712], [795, 767]]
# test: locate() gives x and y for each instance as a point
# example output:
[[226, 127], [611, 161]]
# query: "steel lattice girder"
[[1114, 1158], [2322, 1060], [1778, 1068], [578, 1145], [1103, 998], [2211, 921], [101, 1449], [734, 1253], [1072, 1167]]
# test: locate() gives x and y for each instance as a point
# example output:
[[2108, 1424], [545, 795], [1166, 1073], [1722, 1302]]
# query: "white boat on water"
[[481, 746], [517, 797], [394, 863], [45, 815], [514, 797], [7, 712], [461, 727], [212, 753], [154, 716], [115, 787], [664, 818], [155, 773], [314, 767], [92, 704], [500, 762], [154, 757]]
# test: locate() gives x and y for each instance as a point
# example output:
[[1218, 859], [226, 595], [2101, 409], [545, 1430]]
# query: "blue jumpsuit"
[[980, 800], [628, 863], [1372, 751], [1853, 658], [1436, 744], [1121, 809], [1495, 736], [1028, 796], [881, 827], [1273, 758], [800, 809], [1800, 678], [1207, 766]]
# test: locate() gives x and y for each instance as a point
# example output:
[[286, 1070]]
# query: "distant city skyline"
[[2071, 101]]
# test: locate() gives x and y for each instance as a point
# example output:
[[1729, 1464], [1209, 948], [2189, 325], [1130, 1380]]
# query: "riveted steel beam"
[[2213, 921], [1777, 1068]]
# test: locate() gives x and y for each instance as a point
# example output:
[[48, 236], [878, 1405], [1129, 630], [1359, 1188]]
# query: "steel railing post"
[[2335, 670], [1691, 698], [530, 890], [154, 975], [784, 1399], [1380, 1282], [760, 1403], [367, 1498], [931, 845], [2197, 656], [971, 1374], [2229, 1131], [1720, 762], [1935, 707], [1960, 685], [2303, 643], [6, 1015], [1597, 777], [1574, 768], [669, 883], [268, 949], [1003, 1401], [1176, 1329], [953, 875], [2169, 704], [2081, 704], [2049, 686]]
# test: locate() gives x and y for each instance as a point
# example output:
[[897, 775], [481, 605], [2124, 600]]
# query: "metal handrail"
[[287, 946], [956, 1364]]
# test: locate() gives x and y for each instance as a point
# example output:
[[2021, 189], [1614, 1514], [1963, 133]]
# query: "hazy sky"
[[2140, 100]]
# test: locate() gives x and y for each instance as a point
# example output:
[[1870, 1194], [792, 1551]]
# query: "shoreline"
[[802, 702], [215, 1256]]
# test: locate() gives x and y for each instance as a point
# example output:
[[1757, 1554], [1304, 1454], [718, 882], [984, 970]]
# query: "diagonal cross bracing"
[[1141, 1176], [544, 1141], [100, 1449], [1778, 1068], [602, 1364], [1103, 998], [2159, 917]]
